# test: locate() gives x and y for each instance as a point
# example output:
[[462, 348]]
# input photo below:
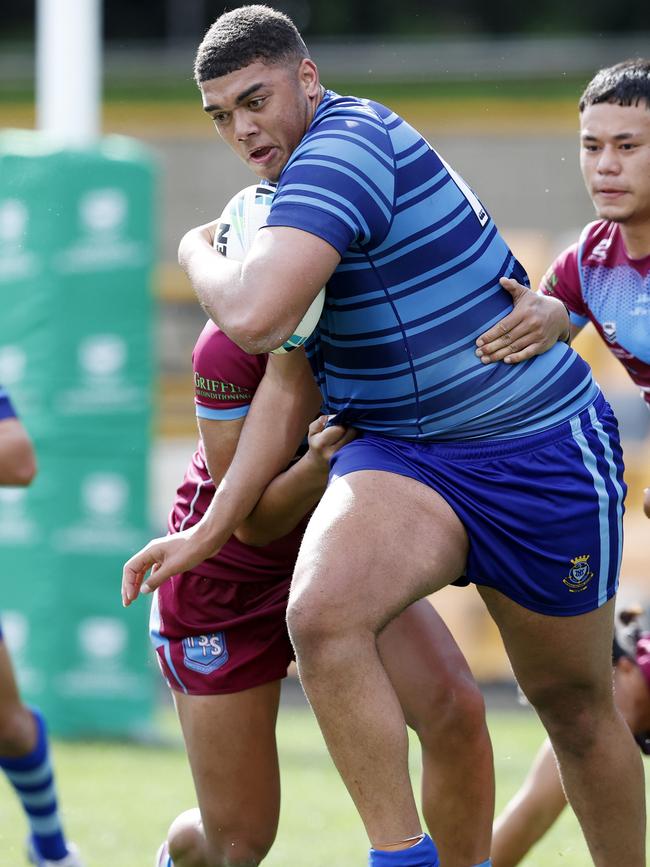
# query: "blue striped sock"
[[33, 779], [423, 854]]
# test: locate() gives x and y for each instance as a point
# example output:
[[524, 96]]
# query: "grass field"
[[119, 798]]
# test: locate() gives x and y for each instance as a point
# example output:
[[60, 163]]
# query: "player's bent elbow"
[[256, 334]]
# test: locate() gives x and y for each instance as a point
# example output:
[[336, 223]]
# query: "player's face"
[[615, 160], [262, 111]]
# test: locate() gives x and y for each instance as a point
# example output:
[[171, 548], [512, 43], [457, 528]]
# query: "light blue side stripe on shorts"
[[609, 457], [589, 460], [159, 641]]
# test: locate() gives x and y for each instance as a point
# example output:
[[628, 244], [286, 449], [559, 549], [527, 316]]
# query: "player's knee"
[[309, 624], [573, 714], [17, 730]]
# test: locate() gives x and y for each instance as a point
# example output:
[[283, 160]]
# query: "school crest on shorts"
[[580, 574], [205, 653]]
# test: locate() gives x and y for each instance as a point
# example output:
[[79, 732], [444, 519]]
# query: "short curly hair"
[[244, 35], [626, 83]]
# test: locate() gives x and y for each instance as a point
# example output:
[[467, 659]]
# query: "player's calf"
[[17, 730]]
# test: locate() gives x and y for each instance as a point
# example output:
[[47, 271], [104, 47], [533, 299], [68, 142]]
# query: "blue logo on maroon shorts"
[[205, 653]]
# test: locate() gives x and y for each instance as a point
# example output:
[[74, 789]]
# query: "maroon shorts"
[[244, 643]]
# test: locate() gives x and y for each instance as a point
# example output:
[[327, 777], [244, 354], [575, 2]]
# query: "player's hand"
[[646, 502], [199, 238], [325, 441], [167, 556], [536, 323]]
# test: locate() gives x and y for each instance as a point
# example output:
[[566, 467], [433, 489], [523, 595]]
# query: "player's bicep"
[[220, 438], [283, 272]]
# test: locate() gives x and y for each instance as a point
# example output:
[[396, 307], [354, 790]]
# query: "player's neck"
[[636, 238]]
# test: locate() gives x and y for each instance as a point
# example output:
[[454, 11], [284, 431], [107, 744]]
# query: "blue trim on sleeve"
[[222, 414], [577, 320]]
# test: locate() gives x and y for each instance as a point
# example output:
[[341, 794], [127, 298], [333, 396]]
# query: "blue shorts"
[[543, 513]]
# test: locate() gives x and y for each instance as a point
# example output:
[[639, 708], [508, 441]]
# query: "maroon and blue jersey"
[[225, 381], [221, 628], [418, 282], [599, 282], [6, 407]]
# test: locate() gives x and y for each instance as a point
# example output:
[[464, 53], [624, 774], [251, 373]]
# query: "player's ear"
[[309, 77]]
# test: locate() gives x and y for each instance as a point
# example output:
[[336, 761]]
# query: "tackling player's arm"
[[294, 493], [17, 459], [282, 408], [260, 301]]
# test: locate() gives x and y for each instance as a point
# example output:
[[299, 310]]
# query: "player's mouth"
[[262, 156], [610, 193]]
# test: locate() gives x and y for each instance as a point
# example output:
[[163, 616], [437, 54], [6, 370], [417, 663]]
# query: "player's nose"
[[609, 161], [245, 127]]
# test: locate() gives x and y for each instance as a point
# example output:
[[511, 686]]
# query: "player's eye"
[[256, 103], [220, 117]]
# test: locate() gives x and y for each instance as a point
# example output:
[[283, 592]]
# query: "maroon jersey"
[[226, 379], [598, 281]]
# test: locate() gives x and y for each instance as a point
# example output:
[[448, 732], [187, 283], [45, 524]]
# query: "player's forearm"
[[285, 502], [530, 813], [284, 404], [215, 279], [235, 297]]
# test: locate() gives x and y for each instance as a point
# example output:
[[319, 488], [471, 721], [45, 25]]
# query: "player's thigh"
[[231, 746], [554, 657], [426, 667], [376, 542]]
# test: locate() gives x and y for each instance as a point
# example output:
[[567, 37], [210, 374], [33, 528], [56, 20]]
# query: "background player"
[[412, 261], [604, 277], [541, 799], [24, 750], [222, 644]]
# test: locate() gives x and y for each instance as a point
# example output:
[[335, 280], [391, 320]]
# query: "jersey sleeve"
[[562, 280], [339, 183], [225, 377], [6, 407]]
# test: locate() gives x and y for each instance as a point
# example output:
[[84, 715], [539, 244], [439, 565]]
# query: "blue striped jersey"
[[418, 282], [6, 407]]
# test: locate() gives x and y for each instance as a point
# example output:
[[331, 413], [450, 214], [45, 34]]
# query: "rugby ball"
[[244, 214]]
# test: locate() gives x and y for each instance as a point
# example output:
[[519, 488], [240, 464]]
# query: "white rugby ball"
[[242, 217]]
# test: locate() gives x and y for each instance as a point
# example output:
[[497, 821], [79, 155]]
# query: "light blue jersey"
[[418, 282]]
